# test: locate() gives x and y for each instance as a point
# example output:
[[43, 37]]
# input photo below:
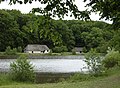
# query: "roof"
[[36, 47], [77, 49]]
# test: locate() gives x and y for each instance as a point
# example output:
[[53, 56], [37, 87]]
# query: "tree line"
[[18, 30]]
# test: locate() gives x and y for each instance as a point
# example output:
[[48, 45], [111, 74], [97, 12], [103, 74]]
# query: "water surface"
[[50, 65]]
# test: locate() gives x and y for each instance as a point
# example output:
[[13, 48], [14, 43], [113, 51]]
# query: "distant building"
[[36, 48], [78, 50]]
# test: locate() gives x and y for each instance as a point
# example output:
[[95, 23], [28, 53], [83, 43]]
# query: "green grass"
[[111, 81], [38, 54], [5, 79]]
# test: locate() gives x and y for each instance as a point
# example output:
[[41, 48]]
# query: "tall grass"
[[5, 79]]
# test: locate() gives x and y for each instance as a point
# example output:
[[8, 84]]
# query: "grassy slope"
[[106, 82]]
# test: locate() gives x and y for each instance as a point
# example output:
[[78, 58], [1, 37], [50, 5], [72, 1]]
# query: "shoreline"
[[44, 56]]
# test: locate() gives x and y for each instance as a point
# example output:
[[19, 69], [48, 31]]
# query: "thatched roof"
[[36, 47]]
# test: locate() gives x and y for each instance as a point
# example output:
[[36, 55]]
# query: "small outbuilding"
[[78, 50], [36, 48]]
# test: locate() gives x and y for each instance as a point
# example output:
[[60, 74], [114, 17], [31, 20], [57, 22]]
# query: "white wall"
[[28, 51], [37, 51], [47, 51]]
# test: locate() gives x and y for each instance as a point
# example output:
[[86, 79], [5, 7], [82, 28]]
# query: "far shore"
[[44, 56]]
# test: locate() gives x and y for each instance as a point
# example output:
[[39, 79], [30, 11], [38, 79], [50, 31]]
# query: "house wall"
[[28, 51], [37, 52], [46, 51], [77, 52]]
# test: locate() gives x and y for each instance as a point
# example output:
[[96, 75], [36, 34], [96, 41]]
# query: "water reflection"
[[50, 65]]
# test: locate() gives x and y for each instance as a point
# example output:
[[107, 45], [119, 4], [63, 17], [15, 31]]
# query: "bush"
[[22, 70], [73, 52], [94, 62], [10, 51], [84, 50], [111, 59], [50, 53], [19, 49], [64, 48], [60, 49], [14, 51]]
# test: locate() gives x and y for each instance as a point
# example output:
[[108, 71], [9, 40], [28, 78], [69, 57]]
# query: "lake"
[[61, 65]]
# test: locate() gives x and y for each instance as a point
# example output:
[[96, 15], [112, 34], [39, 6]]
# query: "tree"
[[115, 41], [22, 70], [9, 31], [92, 38], [58, 8], [111, 59], [66, 34], [47, 33], [108, 9], [94, 62]]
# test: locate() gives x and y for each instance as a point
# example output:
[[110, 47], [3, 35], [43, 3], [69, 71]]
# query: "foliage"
[[94, 62], [22, 70], [112, 81], [51, 52], [19, 49], [84, 50], [92, 38], [9, 32], [23, 29], [60, 49], [112, 59], [59, 8], [10, 51], [79, 77], [66, 34], [114, 42], [5, 79], [108, 9], [73, 52]]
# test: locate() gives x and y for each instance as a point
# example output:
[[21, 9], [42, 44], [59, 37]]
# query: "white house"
[[36, 48]]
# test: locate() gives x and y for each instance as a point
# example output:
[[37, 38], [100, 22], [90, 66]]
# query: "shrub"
[[19, 49], [50, 53], [94, 62], [64, 49], [84, 50], [10, 51], [73, 52], [14, 51], [60, 49], [111, 59], [22, 70]]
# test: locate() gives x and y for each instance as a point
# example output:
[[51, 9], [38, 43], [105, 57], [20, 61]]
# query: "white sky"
[[26, 8]]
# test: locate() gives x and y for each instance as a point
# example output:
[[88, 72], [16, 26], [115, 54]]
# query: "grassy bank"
[[110, 81], [107, 82], [37, 56]]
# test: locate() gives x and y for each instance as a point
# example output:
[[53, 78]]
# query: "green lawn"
[[104, 82]]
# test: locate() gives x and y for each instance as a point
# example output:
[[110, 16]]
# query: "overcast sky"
[[26, 8]]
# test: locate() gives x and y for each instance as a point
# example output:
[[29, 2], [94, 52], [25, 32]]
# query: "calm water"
[[50, 65]]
